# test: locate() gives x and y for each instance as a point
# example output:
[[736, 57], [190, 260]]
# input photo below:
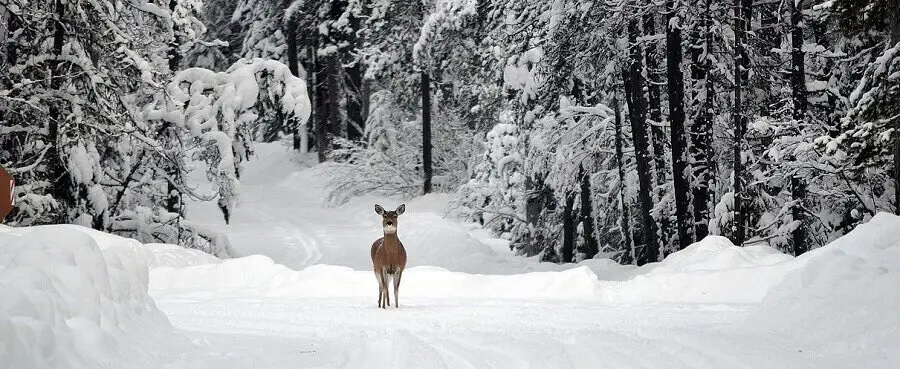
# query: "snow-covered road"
[[466, 333]]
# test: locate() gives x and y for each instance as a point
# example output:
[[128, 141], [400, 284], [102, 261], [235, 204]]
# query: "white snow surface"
[[302, 294], [71, 297]]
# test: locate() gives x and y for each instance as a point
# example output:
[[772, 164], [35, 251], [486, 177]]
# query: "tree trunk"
[[798, 85], [323, 129], [637, 111], [60, 180], [620, 159], [426, 130], [290, 34], [587, 217], [676, 120], [701, 127], [173, 202], [333, 100], [568, 245], [656, 129], [742, 17]]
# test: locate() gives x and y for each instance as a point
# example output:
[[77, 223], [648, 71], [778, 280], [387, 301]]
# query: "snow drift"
[[71, 297], [848, 288], [710, 271]]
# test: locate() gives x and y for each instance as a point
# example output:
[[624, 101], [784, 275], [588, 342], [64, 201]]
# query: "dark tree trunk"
[[309, 42], [676, 120], [56, 167], [568, 245], [173, 202], [323, 129], [426, 130], [742, 19], [656, 129], [587, 217], [637, 112], [620, 159], [798, 85], [174, 44], [290, 34], [333, 99], [701, 127]]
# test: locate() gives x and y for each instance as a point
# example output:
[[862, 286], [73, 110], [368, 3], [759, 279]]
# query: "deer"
[[388, 256]]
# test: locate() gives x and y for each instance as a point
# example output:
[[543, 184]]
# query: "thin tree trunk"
[[656, 129], [798, 85], [426, 130], [620, 158], [637, 111], [741, 15], [701, 127], [568, 245], [680, 168], [587, 217]]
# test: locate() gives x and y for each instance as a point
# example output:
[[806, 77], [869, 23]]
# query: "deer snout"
[[389, 223]]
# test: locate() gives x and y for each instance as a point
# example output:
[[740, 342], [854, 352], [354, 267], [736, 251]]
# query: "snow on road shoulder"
[[848, 288], [710, 271], [71, 297]]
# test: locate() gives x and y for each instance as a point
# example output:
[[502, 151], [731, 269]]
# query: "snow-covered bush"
[[494, 195]]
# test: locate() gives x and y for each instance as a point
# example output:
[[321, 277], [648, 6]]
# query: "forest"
[[575, 129]]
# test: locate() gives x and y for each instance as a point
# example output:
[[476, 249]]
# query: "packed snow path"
[[466, 333], [302, 295]]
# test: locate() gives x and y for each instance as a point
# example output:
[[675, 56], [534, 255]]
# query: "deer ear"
[[379, 209], [401, 209]]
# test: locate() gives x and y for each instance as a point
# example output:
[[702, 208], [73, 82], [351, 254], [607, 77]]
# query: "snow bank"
[[162, 254], [850, 287], [710, 271], [259, 276], [71, 297]]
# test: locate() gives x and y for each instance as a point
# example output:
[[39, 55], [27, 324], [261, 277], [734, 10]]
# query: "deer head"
[[389, 218]]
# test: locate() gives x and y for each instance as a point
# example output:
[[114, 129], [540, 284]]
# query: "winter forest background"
[[576, 129]]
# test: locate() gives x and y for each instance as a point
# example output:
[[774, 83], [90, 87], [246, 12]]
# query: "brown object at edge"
[[7, 194]]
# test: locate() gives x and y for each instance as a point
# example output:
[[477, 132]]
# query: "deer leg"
[[396, 279], [385, 298], [380, 287]]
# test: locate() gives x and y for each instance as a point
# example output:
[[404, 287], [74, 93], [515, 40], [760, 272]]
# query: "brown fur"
[[388, 257]]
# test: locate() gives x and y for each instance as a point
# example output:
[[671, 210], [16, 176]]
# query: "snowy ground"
[[302, 295]]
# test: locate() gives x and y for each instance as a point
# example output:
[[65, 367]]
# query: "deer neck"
[[391, 239]]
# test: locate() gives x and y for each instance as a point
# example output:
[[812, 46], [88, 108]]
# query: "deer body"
[[388, 256]]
